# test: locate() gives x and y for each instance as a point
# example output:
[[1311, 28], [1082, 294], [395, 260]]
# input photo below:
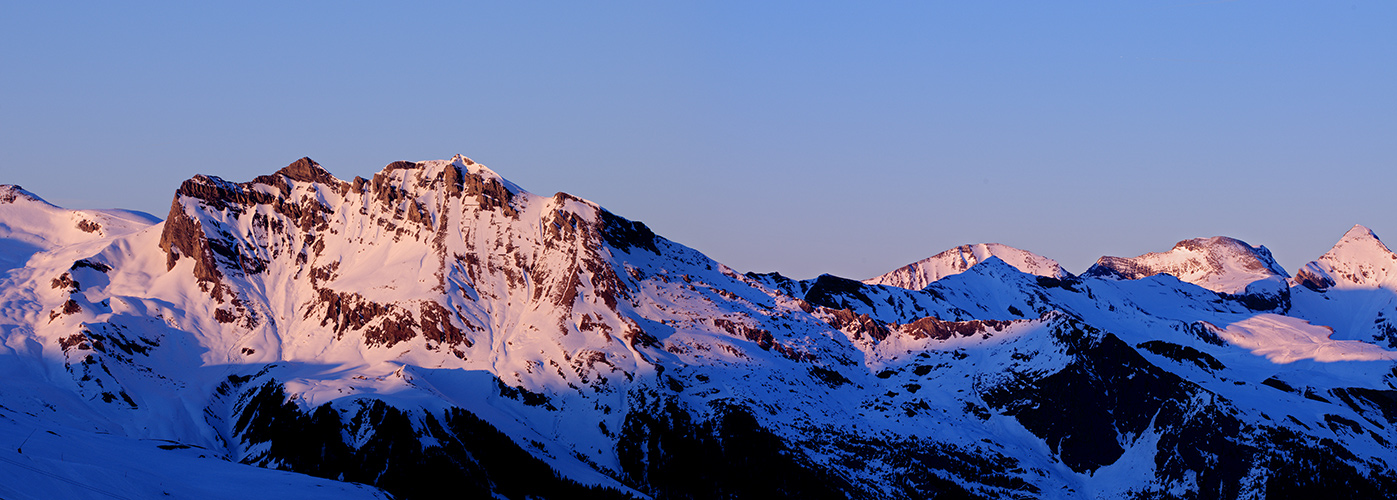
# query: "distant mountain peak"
[[307, 170], [1218, 263], [918, 275], [1361, 236], [10, 193], [1359, 259]]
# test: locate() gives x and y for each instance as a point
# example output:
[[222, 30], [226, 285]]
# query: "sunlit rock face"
[[436, 328]]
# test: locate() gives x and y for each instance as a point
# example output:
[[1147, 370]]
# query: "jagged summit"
[[918, 275], [1219, 263], [1358, 259]]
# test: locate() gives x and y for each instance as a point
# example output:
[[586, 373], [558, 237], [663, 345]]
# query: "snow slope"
[[32, 225], [43, 460]]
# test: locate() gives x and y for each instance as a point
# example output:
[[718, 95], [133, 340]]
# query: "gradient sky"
[[805, 137]]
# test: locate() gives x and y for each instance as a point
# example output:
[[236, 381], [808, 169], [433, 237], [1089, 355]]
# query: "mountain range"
[[438, 331]]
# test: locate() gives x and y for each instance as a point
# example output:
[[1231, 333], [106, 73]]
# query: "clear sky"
[[806, 137]]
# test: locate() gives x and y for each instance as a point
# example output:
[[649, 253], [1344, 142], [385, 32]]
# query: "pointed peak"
[[995, 266], [992, 261], [1358, 243], [1358, 259], [1359, 232], [306, 170], [1360, 227], [461, 160], [1358, 239], [11, 193]]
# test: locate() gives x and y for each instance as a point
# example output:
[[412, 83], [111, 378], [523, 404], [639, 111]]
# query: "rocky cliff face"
[[436, 324]]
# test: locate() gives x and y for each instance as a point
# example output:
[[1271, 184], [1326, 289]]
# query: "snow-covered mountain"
[[1358, 260], [1220, 264], [918, 275], [1351, 289], [436, 330]]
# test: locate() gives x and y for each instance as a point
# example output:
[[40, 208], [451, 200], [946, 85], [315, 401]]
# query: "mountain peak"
[[1358, 244], [306, 170], [1360, 235], [996, 267], [1359, 228], [918, 275], [1359, 258], [1219, 263], [10, 193]]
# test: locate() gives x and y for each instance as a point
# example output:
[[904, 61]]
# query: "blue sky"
[[804, 137]]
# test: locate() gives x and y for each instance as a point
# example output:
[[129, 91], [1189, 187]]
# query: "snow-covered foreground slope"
[[437, 330], [57, 461]]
